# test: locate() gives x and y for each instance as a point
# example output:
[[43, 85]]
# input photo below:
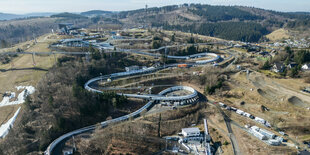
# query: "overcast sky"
[[29, 6]]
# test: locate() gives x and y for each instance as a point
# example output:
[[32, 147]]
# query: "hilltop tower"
[[145, 23]]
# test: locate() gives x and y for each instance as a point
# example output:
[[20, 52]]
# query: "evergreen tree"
[[266, 65]]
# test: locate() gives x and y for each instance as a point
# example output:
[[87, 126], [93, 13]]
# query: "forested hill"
[[227, 22], [95, 13]]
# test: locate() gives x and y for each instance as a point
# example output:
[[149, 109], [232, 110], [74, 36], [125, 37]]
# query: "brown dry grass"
[[278, 35], [293, 119], [251, 145], [7, 112]]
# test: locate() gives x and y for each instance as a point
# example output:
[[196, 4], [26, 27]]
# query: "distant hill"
[[300, 13], [15, 31], [40, 14], [228, 22], [68, 15], [6, 16], [95, 13]]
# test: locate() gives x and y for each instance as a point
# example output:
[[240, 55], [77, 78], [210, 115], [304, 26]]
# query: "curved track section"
[[187, 99]]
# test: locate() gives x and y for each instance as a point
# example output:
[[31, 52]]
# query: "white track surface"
[[4, 129]]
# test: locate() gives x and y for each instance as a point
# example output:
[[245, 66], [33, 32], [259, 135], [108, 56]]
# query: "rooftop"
[[191, 130]]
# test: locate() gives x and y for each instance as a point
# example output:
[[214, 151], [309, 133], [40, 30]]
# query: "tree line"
[[244, 31], [222, 13]]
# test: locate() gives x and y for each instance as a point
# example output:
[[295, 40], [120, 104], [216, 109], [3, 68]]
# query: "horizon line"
[[78, 12]]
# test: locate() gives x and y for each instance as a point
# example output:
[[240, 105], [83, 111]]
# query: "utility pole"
[[165, 57]]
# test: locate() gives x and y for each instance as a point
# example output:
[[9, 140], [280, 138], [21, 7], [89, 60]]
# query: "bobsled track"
[[191, 98]]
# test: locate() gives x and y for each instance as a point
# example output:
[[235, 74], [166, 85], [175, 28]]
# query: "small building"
[[67, 151], [64, 28], [274, 142], [247, 114], [306, 67], [190, 132], [132, 68], [268, 134], [307, 90], [260, 120], [240, 112], [75, 42], [278, 67], [292, 65], [255, 128], [259, 135]]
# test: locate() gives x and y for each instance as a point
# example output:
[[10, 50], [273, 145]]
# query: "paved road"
[[228, 122]]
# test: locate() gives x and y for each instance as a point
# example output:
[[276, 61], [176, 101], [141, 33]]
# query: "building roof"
[[67, 149], [191, 130], [308, 65], [71, 40], [292, 64], [255, 128]]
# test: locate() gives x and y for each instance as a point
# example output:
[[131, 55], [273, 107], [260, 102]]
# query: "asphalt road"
[[228, 122]]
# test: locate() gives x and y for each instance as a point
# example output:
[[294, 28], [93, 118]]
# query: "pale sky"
[[30, 6]]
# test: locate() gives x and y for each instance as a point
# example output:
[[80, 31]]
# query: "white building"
[[240, 112], [259, 135], [306, 67], [274, 142], [255, 131], [268, 134], [67, 151], [260, 120], [190, 132], [247, 114], [103, 46]]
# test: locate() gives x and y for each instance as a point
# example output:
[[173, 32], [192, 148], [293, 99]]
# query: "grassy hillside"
[[278, 35]]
